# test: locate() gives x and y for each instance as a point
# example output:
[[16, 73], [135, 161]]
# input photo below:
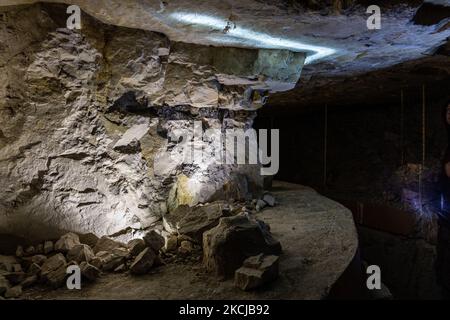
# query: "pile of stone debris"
[[232, 240], [47, 263]]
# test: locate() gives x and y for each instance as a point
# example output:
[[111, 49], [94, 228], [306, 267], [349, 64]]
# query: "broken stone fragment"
[[120, 268], [121, 252], [38, 259], [226, 246], [184, 237], [186, 247], [107, 244], [269, 199], [67, 242], [89, 272], [129, 143], [29, 281], [40, 249], [34, 269], [48, 247], [171, 243], [19, 251], [89, 239], [136, 246], [260, 204], [80, 253], [154, 240], [29, 251], [256, 271], [143, 262], [108, 261], [193, 221], [13, 292], [53, 271], [99, 259]]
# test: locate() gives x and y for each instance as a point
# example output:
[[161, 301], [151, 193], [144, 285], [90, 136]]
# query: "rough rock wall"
[[85, 114]]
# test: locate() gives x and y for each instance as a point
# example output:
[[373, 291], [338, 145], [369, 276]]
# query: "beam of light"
[[256, 38]]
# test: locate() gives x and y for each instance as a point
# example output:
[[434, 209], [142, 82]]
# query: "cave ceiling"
[[345, 58]]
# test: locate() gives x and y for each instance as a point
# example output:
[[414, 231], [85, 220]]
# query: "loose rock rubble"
[[49, 268], [228, 233]]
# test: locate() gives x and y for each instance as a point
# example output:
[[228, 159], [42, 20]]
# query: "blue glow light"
[[257, 38]]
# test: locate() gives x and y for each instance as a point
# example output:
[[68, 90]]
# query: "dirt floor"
[[319, 241]]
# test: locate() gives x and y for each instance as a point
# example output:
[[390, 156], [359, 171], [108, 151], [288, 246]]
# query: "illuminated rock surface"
[[84, 119]]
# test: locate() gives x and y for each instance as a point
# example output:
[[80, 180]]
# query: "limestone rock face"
[[84, 119]]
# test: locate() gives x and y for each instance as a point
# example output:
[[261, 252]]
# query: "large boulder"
[[193, 221], [107, 244], [89, 238], [89, 272], [67, 242], [154, 240], [108, 261], [53, 270], [233, 240], [136, 246], [80, 253], [143, 262]]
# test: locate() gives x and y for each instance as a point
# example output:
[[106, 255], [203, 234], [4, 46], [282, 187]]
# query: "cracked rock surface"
[[84, 115]]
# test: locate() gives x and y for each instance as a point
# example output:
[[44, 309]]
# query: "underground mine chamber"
[[155, 150]]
